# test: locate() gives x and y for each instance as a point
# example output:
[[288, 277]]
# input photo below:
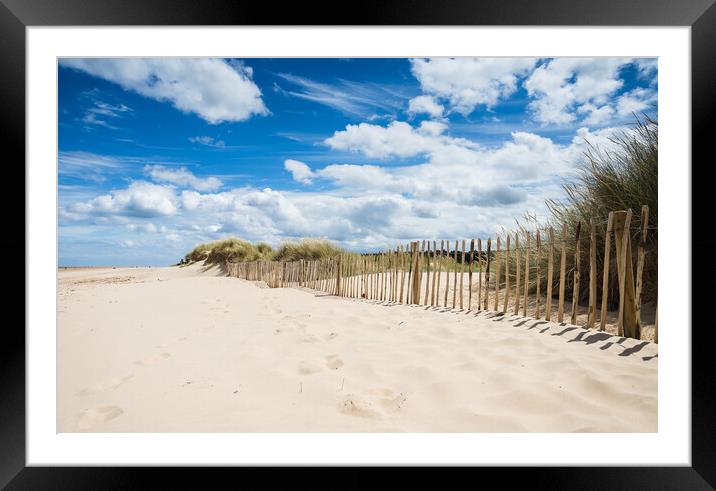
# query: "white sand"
[[181, 350]]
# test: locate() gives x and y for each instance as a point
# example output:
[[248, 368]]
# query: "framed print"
[[429, 238]]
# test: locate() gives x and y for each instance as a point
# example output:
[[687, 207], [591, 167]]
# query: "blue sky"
[[157, 155]]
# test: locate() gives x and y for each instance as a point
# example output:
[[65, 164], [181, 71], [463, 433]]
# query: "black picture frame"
[[16, 15]]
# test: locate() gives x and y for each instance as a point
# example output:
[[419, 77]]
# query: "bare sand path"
[[182, 350]]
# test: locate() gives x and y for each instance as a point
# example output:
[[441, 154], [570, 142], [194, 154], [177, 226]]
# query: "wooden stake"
[[427, 276], [550, 271], [480, 270], [640, 261], [518, 292], [469, 275], [462, 272], [605, 281], [454, 276], [440, 271], [627, 323], [527, 273], [415, 296], [487, 272], [575, 286], [562, 275], [592, 314], [538, 294], [447, 272], [507, 275], [497, 276]]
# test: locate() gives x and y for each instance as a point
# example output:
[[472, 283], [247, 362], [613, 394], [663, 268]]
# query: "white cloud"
[[351, 98], [140, 199], [142, 227], [90, 166], [181, 177], [563, 87], [635, 101], [467, 83], [425, 104], [128, 243], [300, 171], [398, 139], [172, 237], [207, 141], [213, 89]]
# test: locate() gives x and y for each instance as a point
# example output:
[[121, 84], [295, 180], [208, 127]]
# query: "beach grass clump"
[[620, 178], [231, 249], [308, 250]]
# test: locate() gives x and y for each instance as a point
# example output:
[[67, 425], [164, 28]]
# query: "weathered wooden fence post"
[[517, 273], [592, 314], [627, 323], [338, 275], [575, 285], [640, 261], [605, 280], [487, 273], [507, 275], [562, 275], [527, 273]]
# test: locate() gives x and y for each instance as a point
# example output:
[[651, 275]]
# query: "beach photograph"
[[357, 245]]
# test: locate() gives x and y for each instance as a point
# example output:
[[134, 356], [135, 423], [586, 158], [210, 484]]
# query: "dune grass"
[[233, 249], [619, 179], [307, 249]]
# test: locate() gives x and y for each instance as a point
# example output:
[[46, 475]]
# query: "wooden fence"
[[502, 275]]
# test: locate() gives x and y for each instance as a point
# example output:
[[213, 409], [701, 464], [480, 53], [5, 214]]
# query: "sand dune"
[[187, 350]]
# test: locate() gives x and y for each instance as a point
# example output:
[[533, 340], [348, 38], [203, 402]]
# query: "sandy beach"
[[187, 350]]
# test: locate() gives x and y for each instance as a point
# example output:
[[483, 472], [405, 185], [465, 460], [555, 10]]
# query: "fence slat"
[[575, 284], [538, 295], [462, 272], [527, 273], [427, 276], [562, 275], [640, 261], [518, 292], [454, 277], [550, 275], [481, 272], [591, 314], [487, 272], [605, 280], [469, 276], [497, 276], [507, 275], [627, 324]]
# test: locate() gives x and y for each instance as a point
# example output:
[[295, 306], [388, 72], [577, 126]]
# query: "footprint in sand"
[[310, 339], [334, 362], [153, 359], [307, 367], [97, 416], [112, 383], [358, 407]]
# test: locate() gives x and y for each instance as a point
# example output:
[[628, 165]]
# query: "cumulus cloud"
[[425, 104], [213, 89], [563, 87], [467, 83], [140, 199], [635, 101], [181, 177], [300, 171], [397, 139]]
